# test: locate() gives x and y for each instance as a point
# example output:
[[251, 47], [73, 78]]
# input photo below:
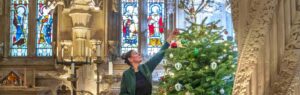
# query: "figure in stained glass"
[[44, 27], [129, 25], [155, 25], [19, 27]]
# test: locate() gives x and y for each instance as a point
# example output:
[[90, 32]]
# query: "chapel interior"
[[73, 47]]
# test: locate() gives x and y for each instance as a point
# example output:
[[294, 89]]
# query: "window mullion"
[[143, 27]]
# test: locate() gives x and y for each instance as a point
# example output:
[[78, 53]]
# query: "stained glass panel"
[[129, 25], [44, 28], [155, 35], [18, 27]]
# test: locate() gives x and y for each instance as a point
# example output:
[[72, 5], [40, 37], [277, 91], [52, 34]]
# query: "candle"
[[110, 68], [98, 49], [57, 55], [73, 68], [72, 52], [62, 52], [86, 51], [90, 52]]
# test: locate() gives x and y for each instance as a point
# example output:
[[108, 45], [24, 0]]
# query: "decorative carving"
[[261, 23], [67, 3], [288, 76], [115, 6], [12, 79], [112, 49], [80, 19], [82, 2]]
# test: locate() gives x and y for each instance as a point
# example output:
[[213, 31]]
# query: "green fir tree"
[[204, 63]]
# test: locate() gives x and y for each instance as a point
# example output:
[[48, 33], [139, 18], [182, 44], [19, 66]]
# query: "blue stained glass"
[[18, 27], [129, 25], [155, 35], [44, 28]]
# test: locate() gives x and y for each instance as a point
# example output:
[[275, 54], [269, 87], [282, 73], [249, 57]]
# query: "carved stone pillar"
[[253, 22], [80, 34], [82, 49]]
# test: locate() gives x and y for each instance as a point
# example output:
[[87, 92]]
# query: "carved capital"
[[80, 19]]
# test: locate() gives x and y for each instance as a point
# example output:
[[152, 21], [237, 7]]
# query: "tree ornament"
[[226, 32], [171, 74], [174, 44], [232, 66], [222, 91], [178, 66], [183, 41], [194, 41], [226, 44], [178, 87], [229, 38], [196, 52], [213, 65], [224, 50], [171, 55], [206, 67]]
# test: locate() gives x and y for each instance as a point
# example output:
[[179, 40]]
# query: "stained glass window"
[[129, 25], [155, 35], [44, 28], [18, 27]]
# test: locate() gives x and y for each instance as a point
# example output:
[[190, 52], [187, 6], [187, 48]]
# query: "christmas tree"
[[201, 61]]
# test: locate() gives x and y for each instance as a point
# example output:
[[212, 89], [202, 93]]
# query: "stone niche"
[[12, 79]]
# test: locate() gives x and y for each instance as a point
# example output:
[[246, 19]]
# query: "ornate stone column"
[[82, 49], [253, 23]]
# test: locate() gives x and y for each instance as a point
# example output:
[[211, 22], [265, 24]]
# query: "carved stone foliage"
[[288, 76], [260, 22]]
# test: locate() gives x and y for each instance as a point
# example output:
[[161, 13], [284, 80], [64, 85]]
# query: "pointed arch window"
[[19, 27], [155, 21], [130, 25], [130, 20], [44, 28]]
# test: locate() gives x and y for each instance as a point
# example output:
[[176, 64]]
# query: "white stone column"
[[81, 13]]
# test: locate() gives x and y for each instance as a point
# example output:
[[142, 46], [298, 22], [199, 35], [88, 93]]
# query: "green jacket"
[[128, 79]]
